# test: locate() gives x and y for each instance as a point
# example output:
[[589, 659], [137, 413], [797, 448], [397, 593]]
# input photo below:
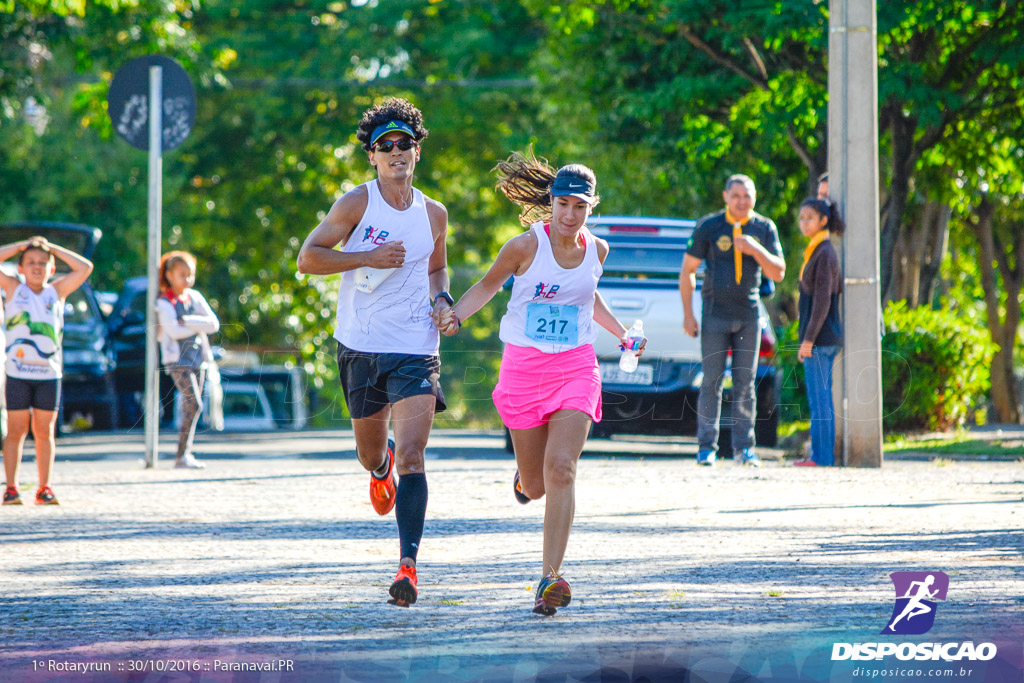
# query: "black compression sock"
[[410, 510]]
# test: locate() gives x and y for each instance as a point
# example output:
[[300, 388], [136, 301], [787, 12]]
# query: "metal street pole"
[[152, 399], [853, 182]]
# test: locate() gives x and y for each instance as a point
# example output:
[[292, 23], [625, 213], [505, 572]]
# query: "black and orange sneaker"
[[403, 589], [552, 593], [11, 496], [517, 488], [44, 496], [382, 491]]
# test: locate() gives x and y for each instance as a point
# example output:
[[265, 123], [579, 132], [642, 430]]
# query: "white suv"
[[641, 282]]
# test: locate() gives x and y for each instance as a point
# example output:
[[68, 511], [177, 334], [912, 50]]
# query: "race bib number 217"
[[552, 324]]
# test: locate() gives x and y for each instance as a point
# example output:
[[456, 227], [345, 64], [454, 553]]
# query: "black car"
[[640, 281], [285, 386], [88, 387], [127, 329]]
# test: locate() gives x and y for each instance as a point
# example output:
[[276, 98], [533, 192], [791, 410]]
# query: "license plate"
[[611, 374]]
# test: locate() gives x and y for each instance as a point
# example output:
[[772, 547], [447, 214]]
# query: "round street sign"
[[128, 102]]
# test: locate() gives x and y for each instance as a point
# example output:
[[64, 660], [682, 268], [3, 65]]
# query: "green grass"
[[959, 443], [675, 599], [788, 429]]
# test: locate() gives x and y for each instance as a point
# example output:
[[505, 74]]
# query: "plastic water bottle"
[[634, 338]]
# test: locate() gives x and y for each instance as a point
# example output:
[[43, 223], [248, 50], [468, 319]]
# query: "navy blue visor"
[[391, 126], [571, 186]]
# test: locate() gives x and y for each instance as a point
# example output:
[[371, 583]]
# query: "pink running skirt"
[[532, 385]]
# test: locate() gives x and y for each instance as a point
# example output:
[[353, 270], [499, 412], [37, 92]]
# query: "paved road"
[[274, 552]]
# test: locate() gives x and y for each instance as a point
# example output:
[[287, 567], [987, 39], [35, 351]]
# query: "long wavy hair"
[[526, 180]]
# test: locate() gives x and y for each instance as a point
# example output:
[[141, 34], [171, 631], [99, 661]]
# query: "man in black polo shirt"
[[739, 247]]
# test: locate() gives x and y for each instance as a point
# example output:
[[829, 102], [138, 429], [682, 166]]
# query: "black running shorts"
[[23, 394], [372, 381]]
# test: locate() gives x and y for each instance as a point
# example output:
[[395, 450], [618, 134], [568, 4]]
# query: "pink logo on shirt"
[[546, 291], [375, 235]]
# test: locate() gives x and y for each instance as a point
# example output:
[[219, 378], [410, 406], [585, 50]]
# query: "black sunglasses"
[[403, 145]]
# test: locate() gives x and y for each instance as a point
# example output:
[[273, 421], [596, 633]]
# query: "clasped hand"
[[445, 320]]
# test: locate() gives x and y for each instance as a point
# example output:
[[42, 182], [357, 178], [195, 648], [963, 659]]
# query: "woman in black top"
[[820, 330]]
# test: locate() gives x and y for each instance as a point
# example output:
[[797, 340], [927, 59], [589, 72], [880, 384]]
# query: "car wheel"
[[766, 429], [129, 410], [766, 423], [105, 416]]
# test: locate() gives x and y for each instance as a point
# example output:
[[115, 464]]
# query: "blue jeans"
[[717, 337], [818, 376]]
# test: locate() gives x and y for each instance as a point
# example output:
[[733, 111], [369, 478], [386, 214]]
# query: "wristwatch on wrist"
[[443, 295]]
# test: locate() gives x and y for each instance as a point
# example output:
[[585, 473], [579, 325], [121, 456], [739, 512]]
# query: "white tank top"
[[552, 308], [395, 316], [34, 327]]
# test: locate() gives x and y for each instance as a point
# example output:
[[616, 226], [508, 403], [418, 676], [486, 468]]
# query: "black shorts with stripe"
[[373, 381]]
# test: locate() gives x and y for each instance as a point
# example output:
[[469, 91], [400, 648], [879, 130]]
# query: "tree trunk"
[[1003, 332], [918, 254], [1013, 279], [935, 247], [902, 165], [898, 281]]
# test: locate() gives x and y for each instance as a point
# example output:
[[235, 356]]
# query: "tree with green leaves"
[[83, 36], [989, 206], [748, 89]]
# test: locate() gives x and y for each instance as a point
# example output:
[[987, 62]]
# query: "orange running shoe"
[[403, 590], [44, 496], [552, 593], [11, 496], [517, 488], [382, 491]]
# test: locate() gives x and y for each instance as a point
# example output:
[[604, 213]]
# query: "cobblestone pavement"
[[273, 552]]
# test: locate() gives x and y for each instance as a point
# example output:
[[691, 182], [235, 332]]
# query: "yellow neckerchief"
[[737, 230], [818, 238], [733, 221]]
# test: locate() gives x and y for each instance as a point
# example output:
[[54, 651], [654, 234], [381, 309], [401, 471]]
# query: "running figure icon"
[[916, 596], [915, 606]]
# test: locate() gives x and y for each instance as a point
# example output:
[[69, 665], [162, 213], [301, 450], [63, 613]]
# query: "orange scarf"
[[818, 238], [737, 230]]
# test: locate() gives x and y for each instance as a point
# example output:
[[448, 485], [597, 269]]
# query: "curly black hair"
[[391, 109]]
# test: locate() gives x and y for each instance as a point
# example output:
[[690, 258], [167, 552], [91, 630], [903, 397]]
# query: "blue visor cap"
[[390, 127], [571, 186]]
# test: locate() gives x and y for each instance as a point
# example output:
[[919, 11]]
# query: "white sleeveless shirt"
[[34, 327], [395, 316], [552, 308]]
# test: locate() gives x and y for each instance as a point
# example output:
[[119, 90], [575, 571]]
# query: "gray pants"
[[189, 383], [717, 337]]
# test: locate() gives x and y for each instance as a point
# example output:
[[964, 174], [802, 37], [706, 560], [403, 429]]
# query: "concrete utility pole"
[[152, 399], [853, 182]]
